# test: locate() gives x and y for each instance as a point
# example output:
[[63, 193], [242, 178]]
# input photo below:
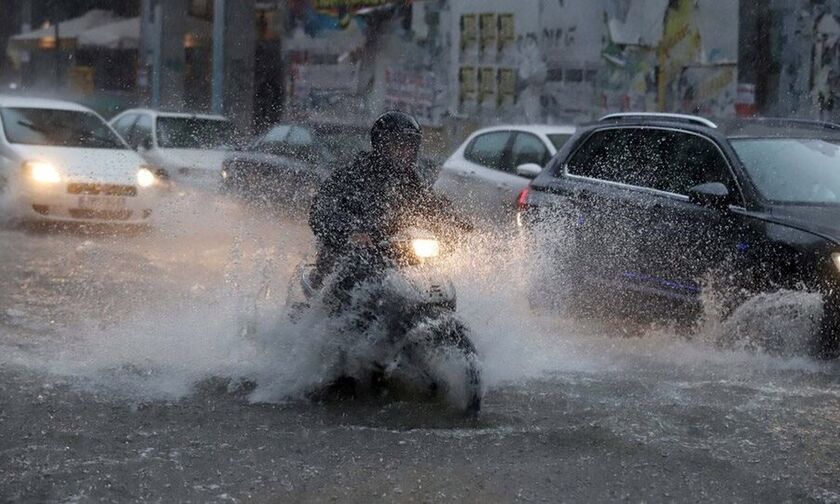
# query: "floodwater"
[[161, 366]]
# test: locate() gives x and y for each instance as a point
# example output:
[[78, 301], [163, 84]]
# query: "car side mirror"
[[711, 194], [528, 170]]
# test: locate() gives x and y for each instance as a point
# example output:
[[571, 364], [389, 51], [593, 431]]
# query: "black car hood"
[[817, 219]]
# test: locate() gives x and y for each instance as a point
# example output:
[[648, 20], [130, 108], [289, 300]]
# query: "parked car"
[[287, 164], [188, 147], [61, 161], [487, 172], [657, 208]]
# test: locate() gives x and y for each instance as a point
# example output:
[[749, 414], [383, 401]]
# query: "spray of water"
[[235, 325]]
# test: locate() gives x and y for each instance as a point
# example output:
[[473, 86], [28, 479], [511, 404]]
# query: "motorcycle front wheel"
[[441, 342]]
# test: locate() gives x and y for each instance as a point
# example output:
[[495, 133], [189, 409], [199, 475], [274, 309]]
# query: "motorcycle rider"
[[381, 192]]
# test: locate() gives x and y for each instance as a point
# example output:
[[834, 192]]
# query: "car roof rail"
[[701, 121], [799, 121]]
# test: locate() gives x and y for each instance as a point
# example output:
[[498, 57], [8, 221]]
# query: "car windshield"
[[63, 128], [559, 139], [793, 170], [194, 133], [342, 145]]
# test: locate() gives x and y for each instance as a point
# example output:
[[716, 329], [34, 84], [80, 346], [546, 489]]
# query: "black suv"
[[656, 207]]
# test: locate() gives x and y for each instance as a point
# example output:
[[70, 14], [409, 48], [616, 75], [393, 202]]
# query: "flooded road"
[[160, 367]]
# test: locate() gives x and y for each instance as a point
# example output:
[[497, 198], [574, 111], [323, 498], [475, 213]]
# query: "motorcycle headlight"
[[43, 172], [145, 177], [425, 248]]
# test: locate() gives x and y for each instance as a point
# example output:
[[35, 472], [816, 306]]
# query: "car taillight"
[[522, 201], [521, 205]]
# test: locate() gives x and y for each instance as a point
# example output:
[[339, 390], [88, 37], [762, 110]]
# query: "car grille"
[[83, 213], [106, 189]]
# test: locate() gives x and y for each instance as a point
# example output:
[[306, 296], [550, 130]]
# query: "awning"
[[67, 30], [123, 34]]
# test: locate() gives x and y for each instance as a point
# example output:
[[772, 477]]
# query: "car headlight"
[[145, 177], [835, 259], [43, 172], [425, 248], [224, 174]]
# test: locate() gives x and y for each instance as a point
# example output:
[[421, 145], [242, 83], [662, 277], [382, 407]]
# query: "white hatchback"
[[485, 175], [61, 161]]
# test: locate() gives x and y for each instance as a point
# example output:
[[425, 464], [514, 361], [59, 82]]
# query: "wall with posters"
[[461, 64], [486, 66], [806, 54], [571, 60], [677, 55]]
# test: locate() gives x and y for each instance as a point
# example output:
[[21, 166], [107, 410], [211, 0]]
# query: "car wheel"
[[786, 323]]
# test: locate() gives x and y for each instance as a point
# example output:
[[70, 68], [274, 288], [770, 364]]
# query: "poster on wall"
[[709, 91], [467, 84], [507, 31], [469, 32], [506, 93], [415, 92], [488, 31], [487, 85], [314, 79]]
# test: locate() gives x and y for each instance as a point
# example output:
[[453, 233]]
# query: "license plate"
[[99, 203]]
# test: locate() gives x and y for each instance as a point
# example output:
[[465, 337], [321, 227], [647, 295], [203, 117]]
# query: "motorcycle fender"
[[421, 286]]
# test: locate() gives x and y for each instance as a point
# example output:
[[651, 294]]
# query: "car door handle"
[[502, 185]]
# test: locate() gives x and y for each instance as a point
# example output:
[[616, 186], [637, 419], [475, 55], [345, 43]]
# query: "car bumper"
[[87, 203]]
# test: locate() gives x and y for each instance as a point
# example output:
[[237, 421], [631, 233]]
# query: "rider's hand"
[[361, 240]]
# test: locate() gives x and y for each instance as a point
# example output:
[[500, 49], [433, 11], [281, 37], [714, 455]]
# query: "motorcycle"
[[401, 322]]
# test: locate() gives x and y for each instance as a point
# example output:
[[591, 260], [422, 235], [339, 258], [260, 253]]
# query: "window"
[[288, 134], [793, 170], [559, 139], [528, 148], [63, 128], [276, 134], [293, 141], [194, 133], [666, 160], [574, 75], [124, 124], [141, 135], [489, 150]]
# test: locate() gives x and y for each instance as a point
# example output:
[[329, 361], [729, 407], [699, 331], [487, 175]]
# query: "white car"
[[485, 175], [188, 147], [60, 161]]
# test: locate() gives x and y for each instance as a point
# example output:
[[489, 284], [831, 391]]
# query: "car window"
[[194, 133], [294, 141], [341, 145], [292, 135], [141, 134], [666, 160], [64, 128], [275, 134], [559, 139], [793, 170], [528, 148], [489, 150], [123, 124], [696, 160]]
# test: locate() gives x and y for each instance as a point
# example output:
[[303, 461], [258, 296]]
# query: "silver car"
[[189, 148], [485, 175]]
